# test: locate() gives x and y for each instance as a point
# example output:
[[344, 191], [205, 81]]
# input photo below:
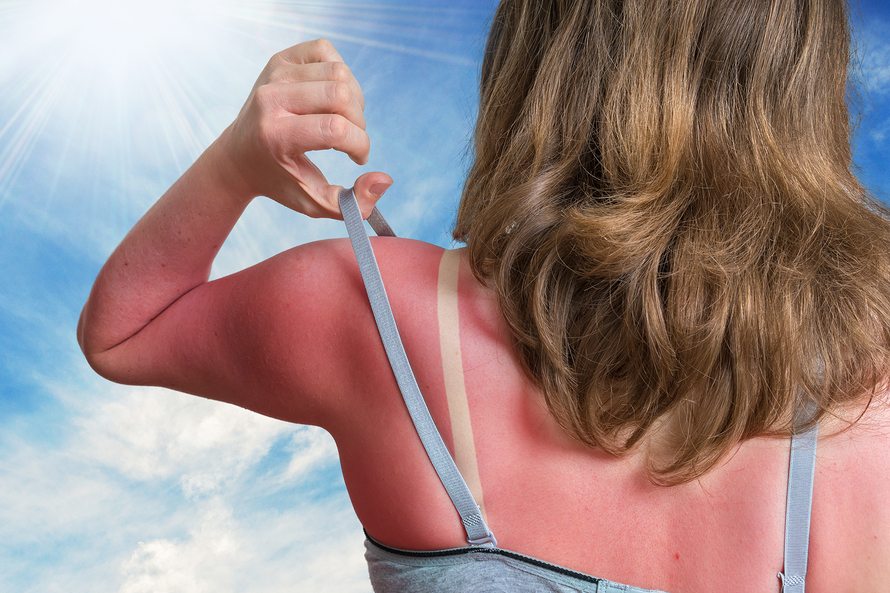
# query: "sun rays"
[[105, 85]]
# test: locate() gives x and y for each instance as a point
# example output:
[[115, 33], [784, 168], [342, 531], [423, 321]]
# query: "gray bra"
[[482, 543]]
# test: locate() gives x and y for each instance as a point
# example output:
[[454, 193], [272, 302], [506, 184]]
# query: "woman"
[[669, 270]]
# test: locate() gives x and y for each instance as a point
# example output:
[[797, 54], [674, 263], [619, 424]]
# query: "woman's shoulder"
[[398, 258], [862, 429], [335, 314], [408, 267], [851, 516], [854, 447]]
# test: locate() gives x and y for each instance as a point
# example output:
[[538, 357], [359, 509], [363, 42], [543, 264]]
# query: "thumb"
[[369, 188]]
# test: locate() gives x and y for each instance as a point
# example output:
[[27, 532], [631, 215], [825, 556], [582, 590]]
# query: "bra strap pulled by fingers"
[[477, 530]]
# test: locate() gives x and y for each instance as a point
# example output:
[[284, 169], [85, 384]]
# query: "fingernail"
[[378, 188]]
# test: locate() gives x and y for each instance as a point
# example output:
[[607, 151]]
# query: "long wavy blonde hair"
[[662, 199]]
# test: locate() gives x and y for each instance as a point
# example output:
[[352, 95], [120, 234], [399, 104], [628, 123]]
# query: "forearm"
[[167, 253]]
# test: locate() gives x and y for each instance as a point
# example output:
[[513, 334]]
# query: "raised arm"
[[151, 316], [166, 254]]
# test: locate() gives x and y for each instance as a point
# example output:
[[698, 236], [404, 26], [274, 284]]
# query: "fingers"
[[316, 50], [313, 97], [321, 98], [333, 71], [299, 133]]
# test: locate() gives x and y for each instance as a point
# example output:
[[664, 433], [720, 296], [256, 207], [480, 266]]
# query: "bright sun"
[[112, 91], [121, 32]]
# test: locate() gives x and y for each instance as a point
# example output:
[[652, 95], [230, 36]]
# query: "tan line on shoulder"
[[452, 366]]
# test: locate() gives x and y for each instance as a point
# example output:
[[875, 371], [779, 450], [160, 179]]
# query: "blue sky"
[[105, 487]]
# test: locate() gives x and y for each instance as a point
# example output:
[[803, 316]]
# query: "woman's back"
[[661, 199], [549, 497]]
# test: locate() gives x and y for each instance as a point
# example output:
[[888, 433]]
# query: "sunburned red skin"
[[307, 357], [293, 337], [547, 497]]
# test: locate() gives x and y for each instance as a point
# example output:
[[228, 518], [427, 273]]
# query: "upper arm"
[[281, 338]]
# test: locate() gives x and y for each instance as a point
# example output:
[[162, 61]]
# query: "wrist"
[[226, 169]]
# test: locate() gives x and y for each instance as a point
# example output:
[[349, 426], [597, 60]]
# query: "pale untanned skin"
[[293, 337]]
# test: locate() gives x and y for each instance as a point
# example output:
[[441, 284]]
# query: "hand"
[[306, 98]]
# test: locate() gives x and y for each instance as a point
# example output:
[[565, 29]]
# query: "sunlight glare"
[[107, 35]]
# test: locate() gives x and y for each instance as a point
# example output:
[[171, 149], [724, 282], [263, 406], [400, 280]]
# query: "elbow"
[[80, 341], [89, 354], [97, 360], [110, 366], [99, 364]]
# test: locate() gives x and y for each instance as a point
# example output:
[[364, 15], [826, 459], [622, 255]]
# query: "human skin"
[[306, 98], [293, 338]]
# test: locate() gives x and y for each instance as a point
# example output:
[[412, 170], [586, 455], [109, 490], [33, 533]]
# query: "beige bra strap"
[[452, 366]]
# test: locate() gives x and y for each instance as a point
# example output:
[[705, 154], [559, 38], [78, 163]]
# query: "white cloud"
[[879, 133], [114, 488], [137, 489], [309, 548], [151, 433], [312, 448], [874, 53], [870, 74], [204, 562], [49, 494]]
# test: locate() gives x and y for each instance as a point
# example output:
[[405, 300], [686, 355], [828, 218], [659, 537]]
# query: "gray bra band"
[[801, 468], [478, 533]]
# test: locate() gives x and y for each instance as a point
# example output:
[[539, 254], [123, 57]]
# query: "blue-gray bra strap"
[[801, 468], [801, 471], [477, 530]]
